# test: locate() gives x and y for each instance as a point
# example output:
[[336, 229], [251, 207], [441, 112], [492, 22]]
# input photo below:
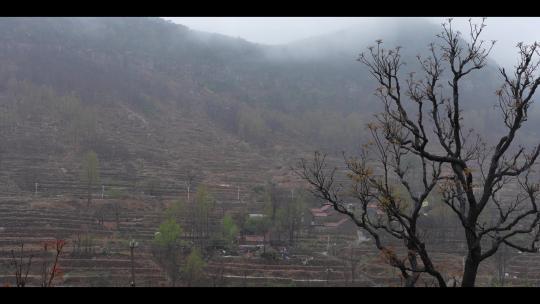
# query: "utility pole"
[[132, 245], [328, 244], [190, 177]]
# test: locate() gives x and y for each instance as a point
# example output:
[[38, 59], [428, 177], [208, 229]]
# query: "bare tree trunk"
[[470, 272], [411, 281]]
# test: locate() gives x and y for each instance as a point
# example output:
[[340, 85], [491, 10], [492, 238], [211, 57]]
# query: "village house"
[[326, 219]]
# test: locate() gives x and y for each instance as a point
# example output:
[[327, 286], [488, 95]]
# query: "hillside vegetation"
[[153, 98]]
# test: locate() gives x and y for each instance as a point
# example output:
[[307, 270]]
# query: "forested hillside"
[[153, 98]]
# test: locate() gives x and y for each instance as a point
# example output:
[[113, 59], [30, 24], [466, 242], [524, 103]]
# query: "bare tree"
[[21, 268], [50, 272], [55, 270], [430, 127], [368, 189], [501, 263], [353, 263]]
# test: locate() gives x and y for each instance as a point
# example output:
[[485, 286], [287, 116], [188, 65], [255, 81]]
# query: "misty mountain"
[[151, 96], [411, 33], [340, 49]]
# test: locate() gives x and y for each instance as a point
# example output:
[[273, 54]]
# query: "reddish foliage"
[[55, 271]]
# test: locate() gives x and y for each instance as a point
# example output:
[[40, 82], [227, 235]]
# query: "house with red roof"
[[319, 215], [327, 219]]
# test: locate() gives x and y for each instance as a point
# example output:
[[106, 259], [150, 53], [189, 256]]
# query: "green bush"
[[271, 255]]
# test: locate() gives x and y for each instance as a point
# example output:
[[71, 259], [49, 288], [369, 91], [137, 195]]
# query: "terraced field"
[[105, 260], [33, 221]]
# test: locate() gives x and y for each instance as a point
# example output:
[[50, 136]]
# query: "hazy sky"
[[508, 31]]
